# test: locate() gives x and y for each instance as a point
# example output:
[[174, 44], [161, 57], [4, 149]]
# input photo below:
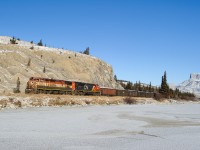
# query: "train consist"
[[38, 85]]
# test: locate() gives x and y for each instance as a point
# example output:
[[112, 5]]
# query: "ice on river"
[[138, 127]]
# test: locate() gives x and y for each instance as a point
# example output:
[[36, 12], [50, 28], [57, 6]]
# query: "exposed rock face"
[[192, 85], [25, 60]]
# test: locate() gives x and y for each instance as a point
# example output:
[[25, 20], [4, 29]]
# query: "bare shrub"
[[11, 99], [3, 103], [159, 97], [73, 102], [18, 104], [129, 100], [87, 102]]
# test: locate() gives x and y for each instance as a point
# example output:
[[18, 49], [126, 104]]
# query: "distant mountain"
[[192, 85]]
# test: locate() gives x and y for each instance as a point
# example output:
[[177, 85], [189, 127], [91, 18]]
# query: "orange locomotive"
[[51, 86]]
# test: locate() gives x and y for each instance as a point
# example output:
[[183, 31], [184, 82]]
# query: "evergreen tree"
[[18, 84], [17, 89], [44, 69], [150, 88], [129, 85], [87, 51], [40, 43], [115, 77], [164, 85], [139, 86], [29, 62], [136, 86], [13, 40]]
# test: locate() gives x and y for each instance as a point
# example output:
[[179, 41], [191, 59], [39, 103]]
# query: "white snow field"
[[126, 127]]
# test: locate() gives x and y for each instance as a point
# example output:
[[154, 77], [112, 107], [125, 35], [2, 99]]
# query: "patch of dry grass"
[[3, 103]]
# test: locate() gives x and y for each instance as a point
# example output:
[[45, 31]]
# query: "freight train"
[[38, 85]]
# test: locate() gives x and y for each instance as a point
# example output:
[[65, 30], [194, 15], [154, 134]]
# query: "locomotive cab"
[[31, 86]]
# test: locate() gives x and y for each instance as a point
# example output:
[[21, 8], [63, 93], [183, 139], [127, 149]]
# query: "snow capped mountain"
[[192, 85]]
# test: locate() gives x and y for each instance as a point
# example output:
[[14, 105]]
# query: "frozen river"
[[137, 127]]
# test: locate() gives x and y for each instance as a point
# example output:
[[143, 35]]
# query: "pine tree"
[[18, 83], [150, 88], [136, 86], [139, 86], [13, 40], [87, 51], [40, 43], [164, 85], [115, 77], [44, 69], [17, 89], [129, 85], [29, 62]]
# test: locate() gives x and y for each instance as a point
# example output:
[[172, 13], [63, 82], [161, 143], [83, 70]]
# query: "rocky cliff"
[[25, 60], [192, 85]]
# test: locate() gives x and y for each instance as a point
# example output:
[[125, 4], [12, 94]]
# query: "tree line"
[[163, 91]]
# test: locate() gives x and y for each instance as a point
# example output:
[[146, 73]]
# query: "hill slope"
[[19, 60]]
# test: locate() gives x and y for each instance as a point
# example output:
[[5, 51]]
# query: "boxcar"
[[141, 94], [122, 92], [108, 91], [149, 94], [132, 93]]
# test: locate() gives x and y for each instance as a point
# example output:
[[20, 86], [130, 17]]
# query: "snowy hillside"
[[192, 85], [25, 60]]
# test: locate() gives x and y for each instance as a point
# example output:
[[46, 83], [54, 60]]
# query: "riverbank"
[[43, 100]]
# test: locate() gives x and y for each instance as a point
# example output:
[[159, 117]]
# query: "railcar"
[[132, 93], [122, 93], [108, 91], [150, 94]]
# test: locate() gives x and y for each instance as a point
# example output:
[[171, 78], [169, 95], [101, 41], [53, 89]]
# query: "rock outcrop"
[[192, 85], [25, 60]]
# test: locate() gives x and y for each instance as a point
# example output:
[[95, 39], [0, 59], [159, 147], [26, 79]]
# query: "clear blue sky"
[[139, 38]]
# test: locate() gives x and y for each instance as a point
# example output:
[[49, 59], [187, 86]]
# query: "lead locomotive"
[[51, 86]]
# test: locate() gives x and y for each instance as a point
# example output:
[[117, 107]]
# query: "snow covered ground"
[[139, 127]]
